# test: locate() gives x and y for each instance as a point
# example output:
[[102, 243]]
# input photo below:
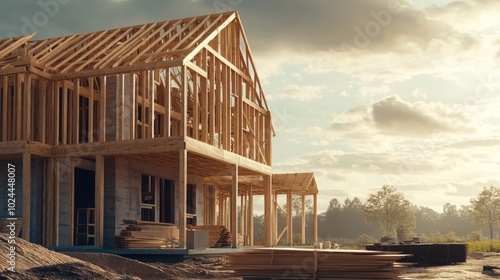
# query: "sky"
[[363, 93]]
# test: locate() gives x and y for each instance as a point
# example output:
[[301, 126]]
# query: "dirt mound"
[[121, 265], [33, 261]]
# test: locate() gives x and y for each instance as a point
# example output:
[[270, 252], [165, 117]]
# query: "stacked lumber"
[[294, 263], [147, 235]]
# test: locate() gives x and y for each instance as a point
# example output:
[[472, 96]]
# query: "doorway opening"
[[84, 207]]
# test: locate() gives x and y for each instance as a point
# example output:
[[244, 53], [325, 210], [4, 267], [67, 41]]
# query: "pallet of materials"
[[427, 253], [302, 263], [147, 235]]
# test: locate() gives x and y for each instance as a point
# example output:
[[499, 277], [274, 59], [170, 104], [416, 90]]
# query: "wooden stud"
[[75, 127], [19, 108], [196, 109], [43, 110], [144, 116], [102, 111], [289, 217], [303, 203], [64, 118], [55, 126], [71, 202], [90, 133], [120, 98], [315, 219], [133, 106], [99, 200], [250, 217], [26, 208], [56, 203], [211, 103], [268, 211], [151, 98], [242, 217], [184, 101], [182, 196], [234, 205], [168, 103], [5, 95]]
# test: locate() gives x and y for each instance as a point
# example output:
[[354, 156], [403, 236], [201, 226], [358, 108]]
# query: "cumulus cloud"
[[394, 116]]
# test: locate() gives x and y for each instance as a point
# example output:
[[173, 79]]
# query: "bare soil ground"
[[36, 262], [472, 269]]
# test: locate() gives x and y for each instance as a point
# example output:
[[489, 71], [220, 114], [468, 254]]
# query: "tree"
[[297, 205], [390, 209], [486, 209]]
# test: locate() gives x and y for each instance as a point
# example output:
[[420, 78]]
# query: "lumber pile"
[[301, 263], [147, 235], [213, 233]]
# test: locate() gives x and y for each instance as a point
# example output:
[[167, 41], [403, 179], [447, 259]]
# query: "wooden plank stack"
[[147, 235], [301, 263]]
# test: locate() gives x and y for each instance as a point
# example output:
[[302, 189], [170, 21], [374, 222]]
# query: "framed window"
[[148, 198]]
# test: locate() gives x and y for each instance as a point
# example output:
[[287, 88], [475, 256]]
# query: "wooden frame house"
[[156, 122]]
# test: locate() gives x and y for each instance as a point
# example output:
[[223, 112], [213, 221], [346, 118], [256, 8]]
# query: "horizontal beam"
[[124, 147], [206, 150], [120, 69]]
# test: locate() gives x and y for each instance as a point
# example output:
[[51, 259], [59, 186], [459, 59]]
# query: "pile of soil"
[[36, 262]]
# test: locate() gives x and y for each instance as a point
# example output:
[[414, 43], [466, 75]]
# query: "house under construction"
[[164, 122]]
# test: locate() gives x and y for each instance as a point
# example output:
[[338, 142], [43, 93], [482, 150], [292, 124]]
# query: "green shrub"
[[483, 246]]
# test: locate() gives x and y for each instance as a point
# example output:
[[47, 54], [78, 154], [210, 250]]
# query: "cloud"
[[394, 116], [301, 92], [480, 143], [418, 93], [321, 142], [368, 91]]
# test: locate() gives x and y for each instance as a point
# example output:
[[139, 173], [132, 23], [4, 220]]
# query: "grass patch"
[[483, 246]]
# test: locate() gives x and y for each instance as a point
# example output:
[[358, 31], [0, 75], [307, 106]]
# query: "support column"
[[71, 202], [182, 197], [303, 219], [234, 205], [268, 223], [219, 216], [289, 217], [275, 219], [315, 219], [56, 203], [99, 200], [242, 217], [250, 216], [182, 160], [26, 196]]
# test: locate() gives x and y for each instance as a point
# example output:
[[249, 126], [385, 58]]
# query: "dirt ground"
[[36, 262], [472, 269]]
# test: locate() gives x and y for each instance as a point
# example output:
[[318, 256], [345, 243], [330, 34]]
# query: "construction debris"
[[302, 263]]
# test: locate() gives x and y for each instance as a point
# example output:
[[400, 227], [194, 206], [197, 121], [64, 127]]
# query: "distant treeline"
[[345, 221]]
